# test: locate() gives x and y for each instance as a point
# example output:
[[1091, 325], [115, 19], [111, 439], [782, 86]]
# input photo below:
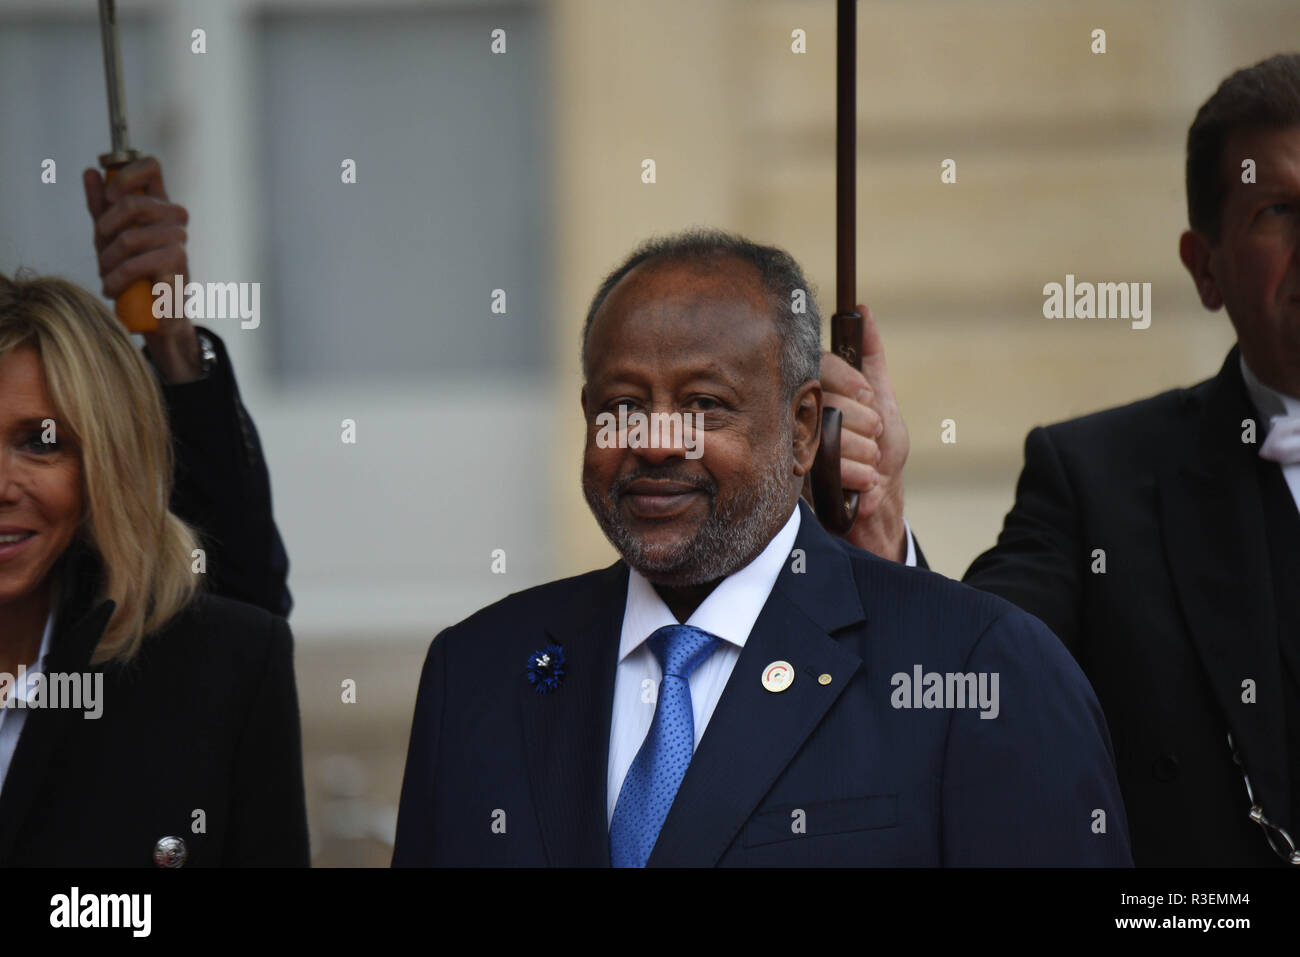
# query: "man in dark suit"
[[741, 688], [1161, 540]]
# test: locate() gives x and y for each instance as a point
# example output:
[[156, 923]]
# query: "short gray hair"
[[801, 332]]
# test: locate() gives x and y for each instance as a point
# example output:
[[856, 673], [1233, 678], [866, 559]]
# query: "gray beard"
[[729, 538]]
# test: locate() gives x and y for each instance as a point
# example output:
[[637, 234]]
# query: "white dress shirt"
[[910, 560], [729, 612], [1268, 403], [12, 719]]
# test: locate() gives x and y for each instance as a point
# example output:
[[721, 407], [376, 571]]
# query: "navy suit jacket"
[[818, 774]]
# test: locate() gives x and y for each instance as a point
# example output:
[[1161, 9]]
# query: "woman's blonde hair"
[[105, 395]]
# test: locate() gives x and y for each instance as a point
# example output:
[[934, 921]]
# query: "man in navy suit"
[[741, 688]]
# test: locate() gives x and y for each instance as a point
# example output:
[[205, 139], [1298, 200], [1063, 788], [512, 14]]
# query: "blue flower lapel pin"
[[546, 668]]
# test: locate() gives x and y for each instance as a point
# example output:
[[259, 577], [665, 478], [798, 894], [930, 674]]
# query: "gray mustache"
[[701, 483]]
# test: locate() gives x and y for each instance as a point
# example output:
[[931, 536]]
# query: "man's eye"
[[704, 403], [1277, 208], [624, 403]]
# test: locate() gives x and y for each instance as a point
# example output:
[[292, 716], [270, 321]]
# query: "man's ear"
[[582, 399], [1194, 250], [806, 408]]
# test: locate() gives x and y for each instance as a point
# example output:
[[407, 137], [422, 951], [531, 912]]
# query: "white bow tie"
[[1283, 442]]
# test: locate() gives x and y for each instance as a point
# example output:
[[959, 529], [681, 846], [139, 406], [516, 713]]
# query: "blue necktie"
[[658, 769]]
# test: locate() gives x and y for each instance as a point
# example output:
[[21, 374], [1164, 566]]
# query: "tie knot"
[[681, 648]]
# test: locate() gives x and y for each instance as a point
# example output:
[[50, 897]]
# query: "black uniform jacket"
[[1165, 553]]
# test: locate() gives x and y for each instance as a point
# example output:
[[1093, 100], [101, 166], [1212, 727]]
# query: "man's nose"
[[664, 438], [655, 456]]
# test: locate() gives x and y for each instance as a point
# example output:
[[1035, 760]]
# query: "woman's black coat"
[[200, 737]]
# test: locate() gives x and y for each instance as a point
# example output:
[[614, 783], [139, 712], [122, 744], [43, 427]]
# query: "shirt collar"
[[729, 611], [1269, 403], [22, 690]]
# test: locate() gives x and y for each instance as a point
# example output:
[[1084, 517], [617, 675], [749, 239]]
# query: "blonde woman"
[[146, 720]]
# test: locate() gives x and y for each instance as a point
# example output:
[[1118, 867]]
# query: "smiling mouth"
[[11, 544], [652, 503]]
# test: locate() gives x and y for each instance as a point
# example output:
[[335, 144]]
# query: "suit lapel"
[[567, 730], [1213, 528], [753, 733], [70, 649]]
